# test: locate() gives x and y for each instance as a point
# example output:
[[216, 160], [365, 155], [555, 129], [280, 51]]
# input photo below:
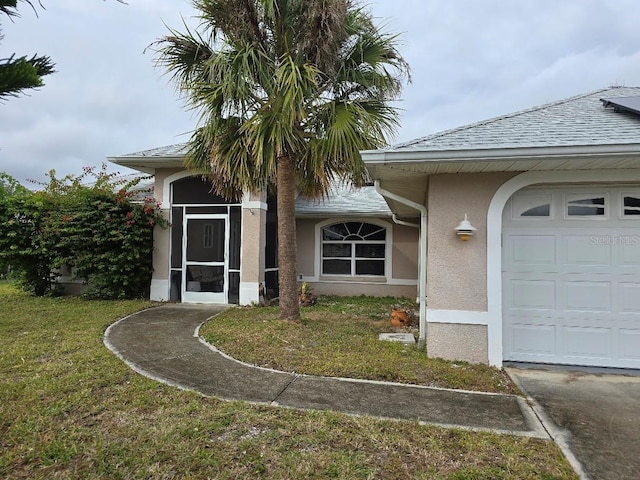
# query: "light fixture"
[[465, 230]]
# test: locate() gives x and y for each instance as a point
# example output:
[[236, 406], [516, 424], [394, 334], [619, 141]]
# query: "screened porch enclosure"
[[205, 244]]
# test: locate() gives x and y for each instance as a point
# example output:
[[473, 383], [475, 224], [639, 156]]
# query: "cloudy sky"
[[470, 59]]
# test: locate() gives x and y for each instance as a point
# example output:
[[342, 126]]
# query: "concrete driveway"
[[597, 416]]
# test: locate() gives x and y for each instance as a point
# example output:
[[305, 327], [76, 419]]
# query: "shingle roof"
[[345, 200], [577, 121], [176, 150], [341, 200]]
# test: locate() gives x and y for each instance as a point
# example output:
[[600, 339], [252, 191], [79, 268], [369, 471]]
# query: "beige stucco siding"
[[161, 243], [405, 252], [453, 341], [457, 270], [254, 223], [160, 176], [162, 236], [305, 236], [345, 289]]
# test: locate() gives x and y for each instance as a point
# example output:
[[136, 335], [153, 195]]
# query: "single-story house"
[[548, 200], [223, 251]]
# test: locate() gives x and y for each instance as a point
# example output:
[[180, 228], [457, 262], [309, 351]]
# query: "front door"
[[205, 268]]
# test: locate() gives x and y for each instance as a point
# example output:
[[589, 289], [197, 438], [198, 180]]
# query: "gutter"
[[422, 261]]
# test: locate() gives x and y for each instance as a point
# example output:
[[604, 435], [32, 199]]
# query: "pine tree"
[[20, 73]]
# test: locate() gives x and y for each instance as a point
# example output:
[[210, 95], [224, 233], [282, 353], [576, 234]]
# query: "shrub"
[[102, 229]]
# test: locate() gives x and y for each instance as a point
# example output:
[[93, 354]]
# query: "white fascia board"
[[383, 157], [148, 164]]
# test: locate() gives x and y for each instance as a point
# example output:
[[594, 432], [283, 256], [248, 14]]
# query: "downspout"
[[402, 222], [422, 262]]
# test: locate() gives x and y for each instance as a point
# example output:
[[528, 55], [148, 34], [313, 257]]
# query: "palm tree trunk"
[[287, 250]]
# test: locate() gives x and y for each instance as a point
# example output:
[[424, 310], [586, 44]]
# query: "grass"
[[70, 409], [339, 337]]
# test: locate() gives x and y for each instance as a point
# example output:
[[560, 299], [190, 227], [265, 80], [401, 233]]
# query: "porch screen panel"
[[235, 233], [195, 191], [176, 237], [175, 293], [205, 240], [234, 287], [205, 278]]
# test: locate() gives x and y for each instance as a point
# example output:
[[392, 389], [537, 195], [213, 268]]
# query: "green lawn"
[[339, 337], [70, 409]]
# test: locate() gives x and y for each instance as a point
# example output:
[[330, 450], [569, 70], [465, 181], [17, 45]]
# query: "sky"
[[471, 60]]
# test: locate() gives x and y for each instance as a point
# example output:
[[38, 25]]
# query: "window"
[[539, 211], [531, 205], [578, 206], [631, 205], [353, 249]]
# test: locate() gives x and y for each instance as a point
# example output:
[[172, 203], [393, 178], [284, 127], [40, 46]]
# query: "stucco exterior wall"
[[254, 221], [160, 175], [405, 252], [453, 341], [457, 270], [305, 237], [346, 289], [162, 237], [161, 244]]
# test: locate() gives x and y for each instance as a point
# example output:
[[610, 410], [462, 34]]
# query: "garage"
[[571, 276]]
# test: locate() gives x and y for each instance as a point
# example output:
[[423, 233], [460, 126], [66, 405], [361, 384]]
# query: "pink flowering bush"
[[99, 225]]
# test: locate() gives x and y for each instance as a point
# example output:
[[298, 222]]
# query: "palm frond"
[[305, 79]]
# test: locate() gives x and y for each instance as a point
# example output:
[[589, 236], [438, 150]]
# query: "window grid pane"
[[540, 211], [594, 206], [336, 267], [336, 250], [631, 205], [370, 251], [369, 267]]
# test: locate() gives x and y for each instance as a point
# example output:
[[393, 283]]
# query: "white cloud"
[[470, 61]]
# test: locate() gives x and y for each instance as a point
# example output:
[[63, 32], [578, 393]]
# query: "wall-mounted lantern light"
[[465, 230]]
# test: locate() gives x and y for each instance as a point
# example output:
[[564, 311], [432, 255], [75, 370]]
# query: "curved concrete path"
[[163, 343]]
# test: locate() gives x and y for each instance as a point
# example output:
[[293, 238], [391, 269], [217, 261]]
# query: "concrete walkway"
[[162, 343]]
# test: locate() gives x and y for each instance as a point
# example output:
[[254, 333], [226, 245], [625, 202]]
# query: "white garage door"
[[571, 276]]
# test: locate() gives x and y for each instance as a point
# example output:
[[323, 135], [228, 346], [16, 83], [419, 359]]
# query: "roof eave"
[[382, 157], [148, 164]]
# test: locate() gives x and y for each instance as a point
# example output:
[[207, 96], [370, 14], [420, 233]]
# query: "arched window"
[[353, 249]]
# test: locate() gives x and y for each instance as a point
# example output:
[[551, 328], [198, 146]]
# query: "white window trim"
[[388, 264]]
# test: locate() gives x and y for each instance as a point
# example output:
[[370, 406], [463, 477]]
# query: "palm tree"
[[289, 92]]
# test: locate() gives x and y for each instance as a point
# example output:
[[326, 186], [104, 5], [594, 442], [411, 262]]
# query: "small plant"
[[306, 296]]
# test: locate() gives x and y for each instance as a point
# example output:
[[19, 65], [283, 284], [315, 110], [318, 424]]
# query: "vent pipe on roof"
[[422, 258]]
